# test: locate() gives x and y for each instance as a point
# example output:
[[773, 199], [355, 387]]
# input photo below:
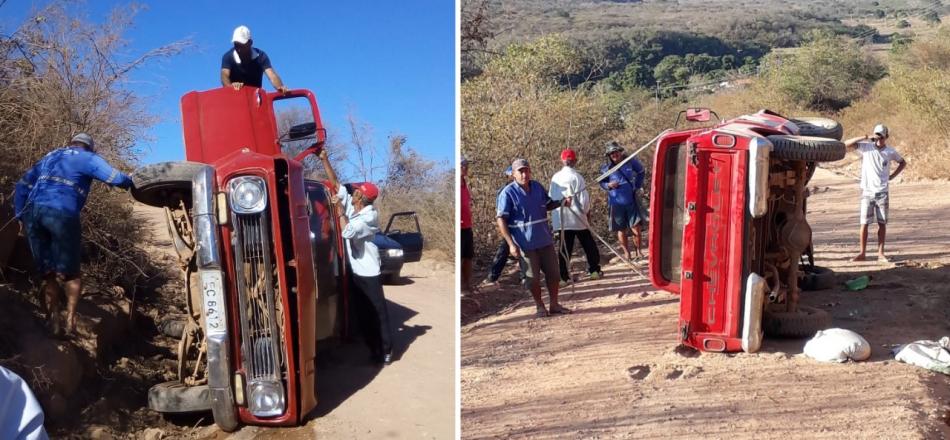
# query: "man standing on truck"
[[522, 218], [876, 157], [359, 221], [622, 186], [48, 200], [246, 65], [573, 221]]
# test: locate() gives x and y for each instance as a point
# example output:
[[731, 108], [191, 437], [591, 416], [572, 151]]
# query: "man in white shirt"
[[876, 157], [569, 183], [359, 222]]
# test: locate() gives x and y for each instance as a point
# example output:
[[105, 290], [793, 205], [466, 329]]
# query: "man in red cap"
[[359, 221], [573, 220]]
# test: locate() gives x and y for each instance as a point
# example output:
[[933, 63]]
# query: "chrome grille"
[[261, 341]]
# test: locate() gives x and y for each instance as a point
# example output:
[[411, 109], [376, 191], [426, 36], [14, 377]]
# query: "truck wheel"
[[801, 324], [816, 278], [175, 397], [165, 183], [811, 149], [819, 127]]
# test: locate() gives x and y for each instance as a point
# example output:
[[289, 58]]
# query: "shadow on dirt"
[[345, 368]]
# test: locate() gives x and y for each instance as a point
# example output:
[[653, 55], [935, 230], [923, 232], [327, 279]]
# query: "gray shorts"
[[538, 260], [874, 205]]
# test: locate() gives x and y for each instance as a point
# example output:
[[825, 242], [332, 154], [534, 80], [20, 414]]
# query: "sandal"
[[542, 312], [560, 311]]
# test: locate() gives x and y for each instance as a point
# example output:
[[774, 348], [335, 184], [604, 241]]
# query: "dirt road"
[[612, 370], [412, 398]]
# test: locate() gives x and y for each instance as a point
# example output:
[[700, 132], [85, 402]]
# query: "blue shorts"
[[54, 237], [623, 217]]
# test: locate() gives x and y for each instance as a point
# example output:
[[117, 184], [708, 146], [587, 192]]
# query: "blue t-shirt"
[[250, 73], [527, 214], [61, 180], [629, 178]]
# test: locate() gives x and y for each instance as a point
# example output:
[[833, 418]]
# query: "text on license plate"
[[212, 290]]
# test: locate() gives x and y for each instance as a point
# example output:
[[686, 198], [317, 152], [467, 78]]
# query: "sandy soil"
[[412, 398], [613, 370]]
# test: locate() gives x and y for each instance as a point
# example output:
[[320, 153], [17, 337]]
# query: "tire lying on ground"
[[811, 149], [165, 183], [816, 278], [818, 127], [176, 398], [801, 324]]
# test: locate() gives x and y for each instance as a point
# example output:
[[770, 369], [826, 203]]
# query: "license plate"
[[212, 289]]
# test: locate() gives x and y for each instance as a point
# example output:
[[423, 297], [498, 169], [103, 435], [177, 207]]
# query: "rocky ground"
[[613, 370]]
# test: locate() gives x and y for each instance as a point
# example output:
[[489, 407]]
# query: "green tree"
[[826, 73]]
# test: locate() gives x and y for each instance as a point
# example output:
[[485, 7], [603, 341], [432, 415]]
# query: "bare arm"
[[900, 167], [325, 158], [503, 230], [853, 142], [276, 81]]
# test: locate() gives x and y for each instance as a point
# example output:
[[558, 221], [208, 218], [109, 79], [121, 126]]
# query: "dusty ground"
[[612, 370]]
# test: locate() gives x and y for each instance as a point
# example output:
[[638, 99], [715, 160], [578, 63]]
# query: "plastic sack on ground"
[[837, 345], [931, 355]]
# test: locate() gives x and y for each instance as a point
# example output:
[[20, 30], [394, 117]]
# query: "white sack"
[[837, 345], [927, 354]]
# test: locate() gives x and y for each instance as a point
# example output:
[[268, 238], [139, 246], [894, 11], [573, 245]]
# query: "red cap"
[[568, 154], [369, 190]]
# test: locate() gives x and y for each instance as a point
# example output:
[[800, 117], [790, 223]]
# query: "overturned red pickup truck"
[[728, 229], [261, 254]]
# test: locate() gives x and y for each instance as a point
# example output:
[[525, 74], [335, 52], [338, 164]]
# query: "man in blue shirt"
[[621, 187], [359, 221], [48, 200], [522, 218], [245, 64]]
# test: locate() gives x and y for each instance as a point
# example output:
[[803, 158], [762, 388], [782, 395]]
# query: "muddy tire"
[[819, 127], [801, 324], [811, 149], [816, 278], [165, 183], [177, 398]]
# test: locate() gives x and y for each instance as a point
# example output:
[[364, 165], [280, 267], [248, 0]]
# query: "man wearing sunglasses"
[[246, 65]]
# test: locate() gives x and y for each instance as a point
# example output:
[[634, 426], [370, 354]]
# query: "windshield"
[[674, 187]]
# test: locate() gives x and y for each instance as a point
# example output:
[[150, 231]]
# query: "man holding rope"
[[522, 218], [621, 186], [573, 221]]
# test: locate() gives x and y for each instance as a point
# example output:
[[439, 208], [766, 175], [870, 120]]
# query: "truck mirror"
[[697, 114], [301, 131]]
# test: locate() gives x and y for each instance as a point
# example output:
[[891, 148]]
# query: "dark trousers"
[[378, 332], [590, 250], [499, 261]]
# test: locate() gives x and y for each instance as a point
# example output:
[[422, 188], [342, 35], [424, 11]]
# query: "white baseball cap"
[[880, 129], [241, 35]]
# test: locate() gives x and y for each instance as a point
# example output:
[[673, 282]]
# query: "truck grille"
[[260, 308]]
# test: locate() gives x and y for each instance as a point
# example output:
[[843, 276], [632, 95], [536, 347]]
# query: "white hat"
[[880, 129], [241, 35]]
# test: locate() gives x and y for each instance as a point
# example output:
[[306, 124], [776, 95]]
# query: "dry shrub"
[[913, 102], [61, 74], [414, 183]]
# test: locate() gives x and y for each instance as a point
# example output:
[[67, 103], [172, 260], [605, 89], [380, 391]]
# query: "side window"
[[674, 212], [324, 233]]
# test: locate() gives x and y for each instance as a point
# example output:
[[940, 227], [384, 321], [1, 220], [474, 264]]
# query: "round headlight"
[[248, 194]]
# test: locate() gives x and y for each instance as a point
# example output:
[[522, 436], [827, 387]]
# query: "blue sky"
[[392, 63]]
